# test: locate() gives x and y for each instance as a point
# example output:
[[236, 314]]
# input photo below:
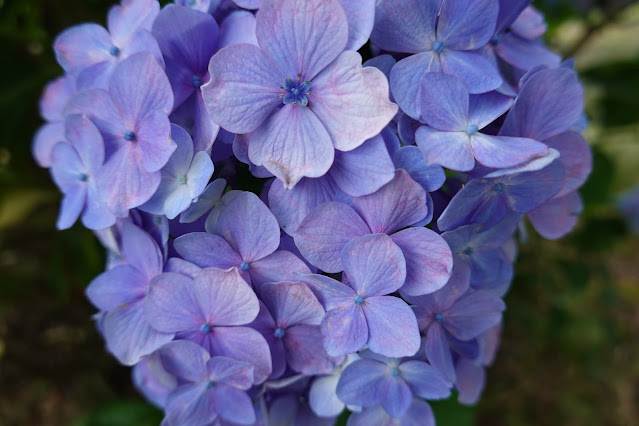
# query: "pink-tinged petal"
[[86, 140], [292, 143], [181, 266], [140, 250], [525, 54], [291, 303], [501, 151], [66, 168], [116, 287], [406, 77], [557, 217], [478, 73], [323, 234], [361, 17], [129, 336], [392, 327], [81, 46], [438, 351], [184, 359], [429, 261], [291, 206], [329, 292], [363, 170], [130, 16], [154, 140], [243, 90], [359, 382], [351, 102], [171, 304], [444, 102], [230, 372], [486, 108], [576, 158], [243, 344], [399, 203], [279, 266], [549, 103], [224, 297], [473, 313], [344, 329], [123, 183], [55, 96], [207, 250], [471, 380], [95, 215], [302, 36], [96, 76], [190, 403], [374, 265], [305, 353], [467, 24], [249, 227], [405, 26], [448, 149], [136, 100], [45, 139], [142, 41], [238, 27]]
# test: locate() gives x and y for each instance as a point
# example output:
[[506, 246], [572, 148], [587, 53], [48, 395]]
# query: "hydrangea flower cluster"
[[367, 268]]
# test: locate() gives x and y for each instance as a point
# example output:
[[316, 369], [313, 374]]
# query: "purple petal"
[[153, 140], [243, 344], [132, 15], [81, 46], [279, 266], [248, 4], [558, 216], [424, 380], [405, 26], [351, 102], [467, 24], [473, 313], [249, 227], [140, 250], [438, 351], [527, 191], [429, 261], [55, 96], [486, 108], [67, 170], [233, 405], [207, 250], [361, 17], [305, 353], [374, 265], [405, 81], [323, 234], [448, 149], [322, 397], [430, 177], [502, 151], [398, 396], [45, 139], [329, 292], [344, 329], [86, 140], [399, 203], [230, 372], [575, 157], [181, 266], [171, 306], [509, 10], [188, 40], [184, 359], [525, 54], [243, 90], [238, 27], [291, 206], [478, 73], [129, 336], [359, 382], [444, 102], [418, 414], [471, 379], [199, 174], [392, 327], [291, 303], [302, 36], [115, 287], [190, 404], [293, 143], [476, 202]]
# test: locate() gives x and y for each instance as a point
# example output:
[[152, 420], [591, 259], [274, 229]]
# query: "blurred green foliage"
[[569, 351]]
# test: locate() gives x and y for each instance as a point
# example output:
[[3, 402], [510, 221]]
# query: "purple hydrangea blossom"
[[212, 310], [360, 312], [297, 66]]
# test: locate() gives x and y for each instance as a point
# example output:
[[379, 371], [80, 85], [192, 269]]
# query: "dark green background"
[[569, 353]]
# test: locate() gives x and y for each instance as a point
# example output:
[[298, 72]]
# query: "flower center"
[[205, 328], [114, 51], [296, 92], [469, 251], [438, 46], [245, 266], [494, 40], [394, 372], [83, 177], [498, 187], [358, 300], [279, 332], [181, 180], [471, 129], [129, 135], [439, 318], [196, 81], [210, 384]]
